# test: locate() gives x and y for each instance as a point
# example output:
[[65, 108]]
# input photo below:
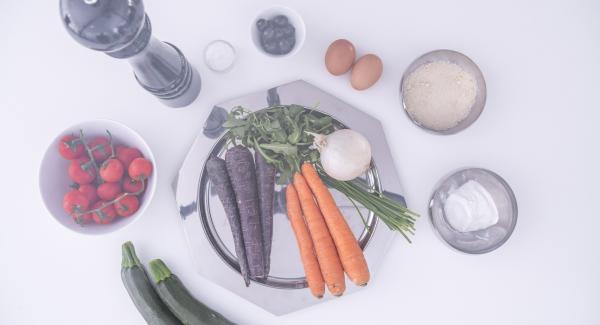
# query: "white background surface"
[[539, 130]]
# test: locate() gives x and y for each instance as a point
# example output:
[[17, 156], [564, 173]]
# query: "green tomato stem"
[[118, 198], [90, 155]]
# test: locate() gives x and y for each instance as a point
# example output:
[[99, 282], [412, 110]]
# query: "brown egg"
[[366, 72], [339, 57]]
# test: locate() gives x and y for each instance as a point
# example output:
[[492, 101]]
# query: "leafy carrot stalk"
[[312, 269], [351, 255], [327, 255]]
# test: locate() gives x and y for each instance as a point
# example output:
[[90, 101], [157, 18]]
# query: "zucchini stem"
[[130, 259], [159, 270]]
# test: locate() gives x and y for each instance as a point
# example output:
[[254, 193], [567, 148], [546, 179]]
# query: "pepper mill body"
[[121, 29]]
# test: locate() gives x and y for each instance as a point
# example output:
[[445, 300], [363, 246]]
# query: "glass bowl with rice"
[[443, 92]]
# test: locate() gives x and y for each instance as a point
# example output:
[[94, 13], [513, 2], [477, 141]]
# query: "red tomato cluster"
[[108, 180]]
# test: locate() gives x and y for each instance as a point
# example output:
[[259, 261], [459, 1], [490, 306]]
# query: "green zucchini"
[[142, 292], [179, 300]]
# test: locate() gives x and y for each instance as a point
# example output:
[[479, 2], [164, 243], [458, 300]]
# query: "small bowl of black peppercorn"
[[278, 32]]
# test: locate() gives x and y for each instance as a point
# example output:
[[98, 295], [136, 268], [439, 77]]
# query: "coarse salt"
[[219, 55], [439, 95]]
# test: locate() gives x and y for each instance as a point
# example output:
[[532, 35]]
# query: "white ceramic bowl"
[[55, 181], [294, 18]]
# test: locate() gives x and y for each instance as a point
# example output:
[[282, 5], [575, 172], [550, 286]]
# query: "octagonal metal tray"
[[206, 227]]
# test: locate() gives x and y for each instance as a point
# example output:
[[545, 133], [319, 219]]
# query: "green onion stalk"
[[393, 214]]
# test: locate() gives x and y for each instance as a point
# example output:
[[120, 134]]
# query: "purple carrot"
[[265, 176], [217, 173], [240, 166]]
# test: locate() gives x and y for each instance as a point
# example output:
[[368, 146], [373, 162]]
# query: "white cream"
[[470, 208]]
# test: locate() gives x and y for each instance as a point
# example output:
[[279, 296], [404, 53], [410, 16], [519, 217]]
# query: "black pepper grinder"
[[121, 29]]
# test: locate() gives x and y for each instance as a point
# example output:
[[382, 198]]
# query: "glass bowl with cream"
[[443, 91], [473, 210]]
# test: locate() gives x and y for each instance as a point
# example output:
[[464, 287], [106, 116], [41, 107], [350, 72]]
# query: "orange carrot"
[[327, 255], [350, 253], [305, 243]]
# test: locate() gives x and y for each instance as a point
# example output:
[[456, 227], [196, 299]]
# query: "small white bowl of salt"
[[443, 91], [473, 210]]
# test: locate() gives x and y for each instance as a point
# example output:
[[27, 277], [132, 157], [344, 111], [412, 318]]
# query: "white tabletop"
[[539, 130]]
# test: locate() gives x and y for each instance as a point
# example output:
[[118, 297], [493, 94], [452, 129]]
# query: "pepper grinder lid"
[[104, 25]]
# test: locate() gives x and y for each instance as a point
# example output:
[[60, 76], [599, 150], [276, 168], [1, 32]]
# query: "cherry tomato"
[[127, 154], [140, 168], [75, 202], [71, 147], [112, 170], [90, 192], [105, 215], [100, 147], [82, 171], [131, 185], [127, 206], [109, 191], [83, 219]]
